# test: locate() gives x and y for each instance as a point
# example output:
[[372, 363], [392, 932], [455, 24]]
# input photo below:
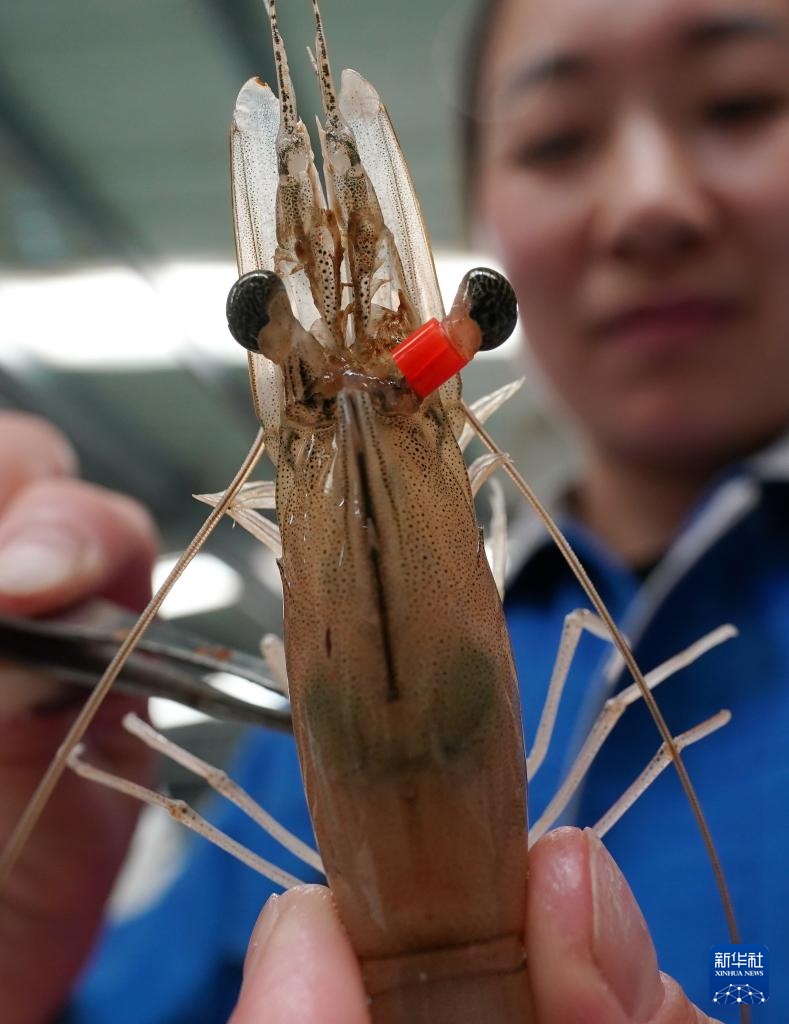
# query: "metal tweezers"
[[78, 645]]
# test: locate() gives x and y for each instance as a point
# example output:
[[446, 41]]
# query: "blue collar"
[[535, 564]]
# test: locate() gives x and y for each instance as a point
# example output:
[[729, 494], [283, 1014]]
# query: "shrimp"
[[404, 696], [402, 744]]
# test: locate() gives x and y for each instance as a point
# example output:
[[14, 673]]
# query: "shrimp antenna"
[[288, 116], [322, 68], [622, 646], [59, 763]]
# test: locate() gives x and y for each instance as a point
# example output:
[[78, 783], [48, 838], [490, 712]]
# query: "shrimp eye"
[[491, 302], [248, 306]]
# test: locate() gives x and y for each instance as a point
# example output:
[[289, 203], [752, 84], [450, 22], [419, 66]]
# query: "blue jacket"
[[180, 961]]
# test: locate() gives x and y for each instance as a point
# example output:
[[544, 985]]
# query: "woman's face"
[[632, 174]]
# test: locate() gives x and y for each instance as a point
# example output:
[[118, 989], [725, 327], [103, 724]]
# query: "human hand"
[[61, 542], [590, 955]]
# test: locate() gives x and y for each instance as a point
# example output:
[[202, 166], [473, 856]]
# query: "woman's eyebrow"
[[727, 28], [568, 66], [553, 68]]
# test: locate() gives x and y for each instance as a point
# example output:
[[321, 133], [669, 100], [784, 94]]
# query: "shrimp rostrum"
[[403, 690]]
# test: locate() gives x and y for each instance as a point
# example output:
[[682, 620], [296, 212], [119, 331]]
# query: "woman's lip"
[[660, 323]]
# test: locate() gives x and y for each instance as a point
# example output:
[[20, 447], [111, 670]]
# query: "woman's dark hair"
[[476, 44]]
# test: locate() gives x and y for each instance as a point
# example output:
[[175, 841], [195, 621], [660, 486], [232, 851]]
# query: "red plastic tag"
[[427, 359]]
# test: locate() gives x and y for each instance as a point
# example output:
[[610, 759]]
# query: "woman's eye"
[[744, 110], [559, 148]]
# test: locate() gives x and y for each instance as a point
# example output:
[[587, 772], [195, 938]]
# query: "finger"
[[300, 966], [31, 449], [676, 1007], [591, 957], [63, 540]]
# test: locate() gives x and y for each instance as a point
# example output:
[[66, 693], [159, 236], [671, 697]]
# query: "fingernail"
[[261, 933], [300, 919], [44, 558], [622, 945]]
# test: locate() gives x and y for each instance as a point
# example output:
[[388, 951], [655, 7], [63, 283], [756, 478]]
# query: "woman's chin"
[[675, 442]]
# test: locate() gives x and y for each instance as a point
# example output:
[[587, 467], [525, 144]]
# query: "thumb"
[[591, 956], [300, 966], [64, 540]]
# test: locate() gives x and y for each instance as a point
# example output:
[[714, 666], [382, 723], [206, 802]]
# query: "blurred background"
[[116, 250]]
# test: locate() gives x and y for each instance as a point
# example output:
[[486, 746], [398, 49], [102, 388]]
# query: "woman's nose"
[[654, 209]]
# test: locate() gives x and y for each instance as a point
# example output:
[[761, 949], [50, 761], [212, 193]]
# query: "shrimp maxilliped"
[[404, 696]]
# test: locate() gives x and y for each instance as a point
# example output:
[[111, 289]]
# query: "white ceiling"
[[114, 115]]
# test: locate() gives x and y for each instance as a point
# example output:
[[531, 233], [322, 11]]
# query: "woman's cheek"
[[752, 186], [771, 216], [763, 209], [525, 240]]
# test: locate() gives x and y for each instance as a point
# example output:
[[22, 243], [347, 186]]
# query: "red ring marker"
[[427, 358]]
